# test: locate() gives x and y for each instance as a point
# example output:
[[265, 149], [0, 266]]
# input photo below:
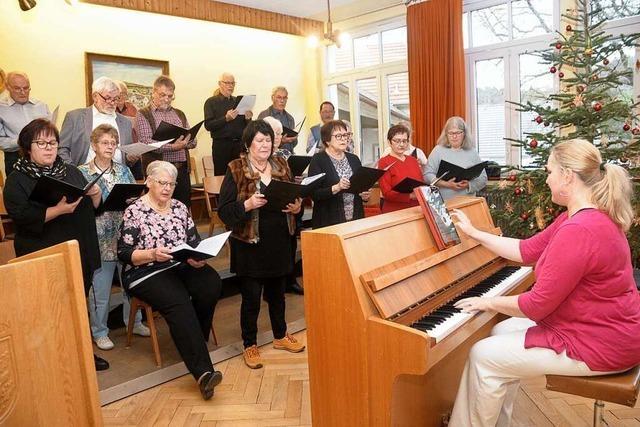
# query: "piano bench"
[[619, 388]]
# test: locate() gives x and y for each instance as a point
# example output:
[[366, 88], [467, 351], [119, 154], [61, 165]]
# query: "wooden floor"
[[278, 395]]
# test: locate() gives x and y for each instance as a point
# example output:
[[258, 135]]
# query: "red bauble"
[[626, 127], [580, 88], [550, 211], [524, 216], [568, 28], [539, 120], [512, 177], [558, 45], [597, 106], [635, 131], [533, 143], [553, 69], [518, 191], [605, 61], [561, 74]]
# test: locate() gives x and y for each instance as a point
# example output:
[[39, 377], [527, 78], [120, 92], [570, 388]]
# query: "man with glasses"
[[176, 153], [224, 123], [16, 111], [279, 97], [75, 134], [327, 111]]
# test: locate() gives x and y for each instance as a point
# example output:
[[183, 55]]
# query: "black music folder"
[[167, 131], [407, 185], [291, 132], [120, 195], [298, 164], [460, 173], [280, 193], [207, 248], [49, 191], [364, 178]]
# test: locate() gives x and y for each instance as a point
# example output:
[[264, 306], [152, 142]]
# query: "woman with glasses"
[[331, 203], [400, 166], [455, 145], [185, 293], [104, 141], [38, 226]]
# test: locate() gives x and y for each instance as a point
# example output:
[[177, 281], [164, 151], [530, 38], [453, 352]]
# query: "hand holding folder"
[[167, 131], [280, 193], [207, 248], [364, 178], [49, 191], [460, 173]]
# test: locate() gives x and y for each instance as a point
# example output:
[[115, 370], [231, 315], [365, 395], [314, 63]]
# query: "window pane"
[[465, 29], [398, 90], [394, 44], [367, 50], [489, 25], [622, 63], [613, 9], [339, 97], [531, 18], [340, 59], [368, 109], [491, 110], [536, 84]]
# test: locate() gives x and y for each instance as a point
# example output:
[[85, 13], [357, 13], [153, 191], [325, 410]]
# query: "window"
[[490, 109], [368, 111], [339, 97], [340, 59], [366, 50], [615, 9], [398, 95], [489, 25], [531, 18], [394, 44]]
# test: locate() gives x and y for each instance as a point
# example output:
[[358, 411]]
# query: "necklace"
[[109, 169], [155, 206], [261, 170]]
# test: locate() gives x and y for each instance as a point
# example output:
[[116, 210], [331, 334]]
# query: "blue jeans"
[[99, 301]]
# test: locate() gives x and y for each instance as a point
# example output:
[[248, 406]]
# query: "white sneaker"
[[142, 330], [104, 343]]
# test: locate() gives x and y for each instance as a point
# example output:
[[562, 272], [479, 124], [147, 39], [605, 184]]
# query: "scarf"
[[58, 170]]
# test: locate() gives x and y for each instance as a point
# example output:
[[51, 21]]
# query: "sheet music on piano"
[[437, 216]]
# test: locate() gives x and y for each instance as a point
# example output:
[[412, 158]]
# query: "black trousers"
[[224, 150], [186, 297], [251, 289], [183, 186], [10, 157]]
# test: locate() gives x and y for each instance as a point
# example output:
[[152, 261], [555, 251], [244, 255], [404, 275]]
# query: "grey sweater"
[[462, 158]]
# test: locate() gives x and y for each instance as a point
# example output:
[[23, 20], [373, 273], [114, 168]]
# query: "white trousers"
[[496, 364]]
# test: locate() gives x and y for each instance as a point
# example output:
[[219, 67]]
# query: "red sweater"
[[393, 200], [585, 299]]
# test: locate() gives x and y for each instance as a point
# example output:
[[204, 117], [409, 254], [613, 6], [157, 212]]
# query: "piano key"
[[497, 284]]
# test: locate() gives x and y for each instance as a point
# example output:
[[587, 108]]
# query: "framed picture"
[[137, 73]]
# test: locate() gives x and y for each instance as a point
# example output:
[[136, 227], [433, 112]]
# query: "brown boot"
[[252, 357], [288, 343]]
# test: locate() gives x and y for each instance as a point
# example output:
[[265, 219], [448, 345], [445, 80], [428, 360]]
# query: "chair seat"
[[619, 388]]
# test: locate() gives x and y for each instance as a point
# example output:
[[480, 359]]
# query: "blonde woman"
[[582, 316]]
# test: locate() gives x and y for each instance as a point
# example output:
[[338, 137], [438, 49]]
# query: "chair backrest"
[[193, 170], [3, 209], [207, 165], [44, 317], [374, 197], [212, 186], [7, 251]]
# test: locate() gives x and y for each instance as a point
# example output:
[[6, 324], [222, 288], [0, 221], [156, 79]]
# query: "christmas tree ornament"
[[568, 28], [577, 101], [635, 131], [533, 143], [626, 127], [553, 69], [597, 106], [539, 120], [540, 222], [508, 207], [588, 52], [529, 186], [503, 184], [512, 177], [558, 45], [580, 88], [561, 74], [524, 216], [605, 61], [517, 191]]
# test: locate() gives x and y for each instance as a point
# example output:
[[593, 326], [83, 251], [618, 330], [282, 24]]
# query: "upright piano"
[[385, 345]]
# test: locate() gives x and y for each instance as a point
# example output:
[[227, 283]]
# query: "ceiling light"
[[330, 36]]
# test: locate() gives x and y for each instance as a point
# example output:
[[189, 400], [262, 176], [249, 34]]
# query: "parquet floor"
[[278, 395]]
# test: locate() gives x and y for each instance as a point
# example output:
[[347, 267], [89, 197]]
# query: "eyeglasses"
[[169, 96], [108, 100], [170, 184], [399, 141], [42, 143], [455, 132], [108, 143], [282, 98], [342, 136], [21, 89], [228, 83]]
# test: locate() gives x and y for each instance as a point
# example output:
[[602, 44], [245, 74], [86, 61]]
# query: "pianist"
[[582, 316]]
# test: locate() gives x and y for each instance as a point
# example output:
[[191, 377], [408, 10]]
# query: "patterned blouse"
[[107, 224], [344, 171], [144, 228]]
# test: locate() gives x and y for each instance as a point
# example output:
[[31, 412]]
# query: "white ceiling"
[[301, 8]]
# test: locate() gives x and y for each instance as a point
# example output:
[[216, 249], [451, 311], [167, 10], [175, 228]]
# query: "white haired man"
[[75, 134], [279, 97], [17, 110], [225, 124]]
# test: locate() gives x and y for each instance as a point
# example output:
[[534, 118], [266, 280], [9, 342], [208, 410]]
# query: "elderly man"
[[327, 112], [177, 153], [16, 111], [279, 97], [75, 147], [224, 123]]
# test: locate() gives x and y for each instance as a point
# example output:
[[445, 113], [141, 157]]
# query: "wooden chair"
[[212, 186], [193, 171], [137, 304], [619, 388], [207, 165]]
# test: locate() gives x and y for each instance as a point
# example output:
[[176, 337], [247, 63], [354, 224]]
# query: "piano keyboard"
[[446, 319]]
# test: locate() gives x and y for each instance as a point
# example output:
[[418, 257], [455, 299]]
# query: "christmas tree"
[[595, 103]]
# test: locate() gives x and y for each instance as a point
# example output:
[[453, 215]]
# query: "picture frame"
[[137, 73]]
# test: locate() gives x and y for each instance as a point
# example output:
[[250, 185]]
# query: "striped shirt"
[[144, 131]]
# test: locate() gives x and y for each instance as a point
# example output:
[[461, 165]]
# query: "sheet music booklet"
[[49, 191], [207, 248], [280, 193], [438, 218]]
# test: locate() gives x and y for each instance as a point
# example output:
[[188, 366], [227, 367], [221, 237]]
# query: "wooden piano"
[[366, 283]]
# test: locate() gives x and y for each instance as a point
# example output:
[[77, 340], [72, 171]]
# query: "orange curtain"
[[436, 68]]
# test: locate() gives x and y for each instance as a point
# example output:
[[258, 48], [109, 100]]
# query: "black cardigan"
[[328, 208]]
